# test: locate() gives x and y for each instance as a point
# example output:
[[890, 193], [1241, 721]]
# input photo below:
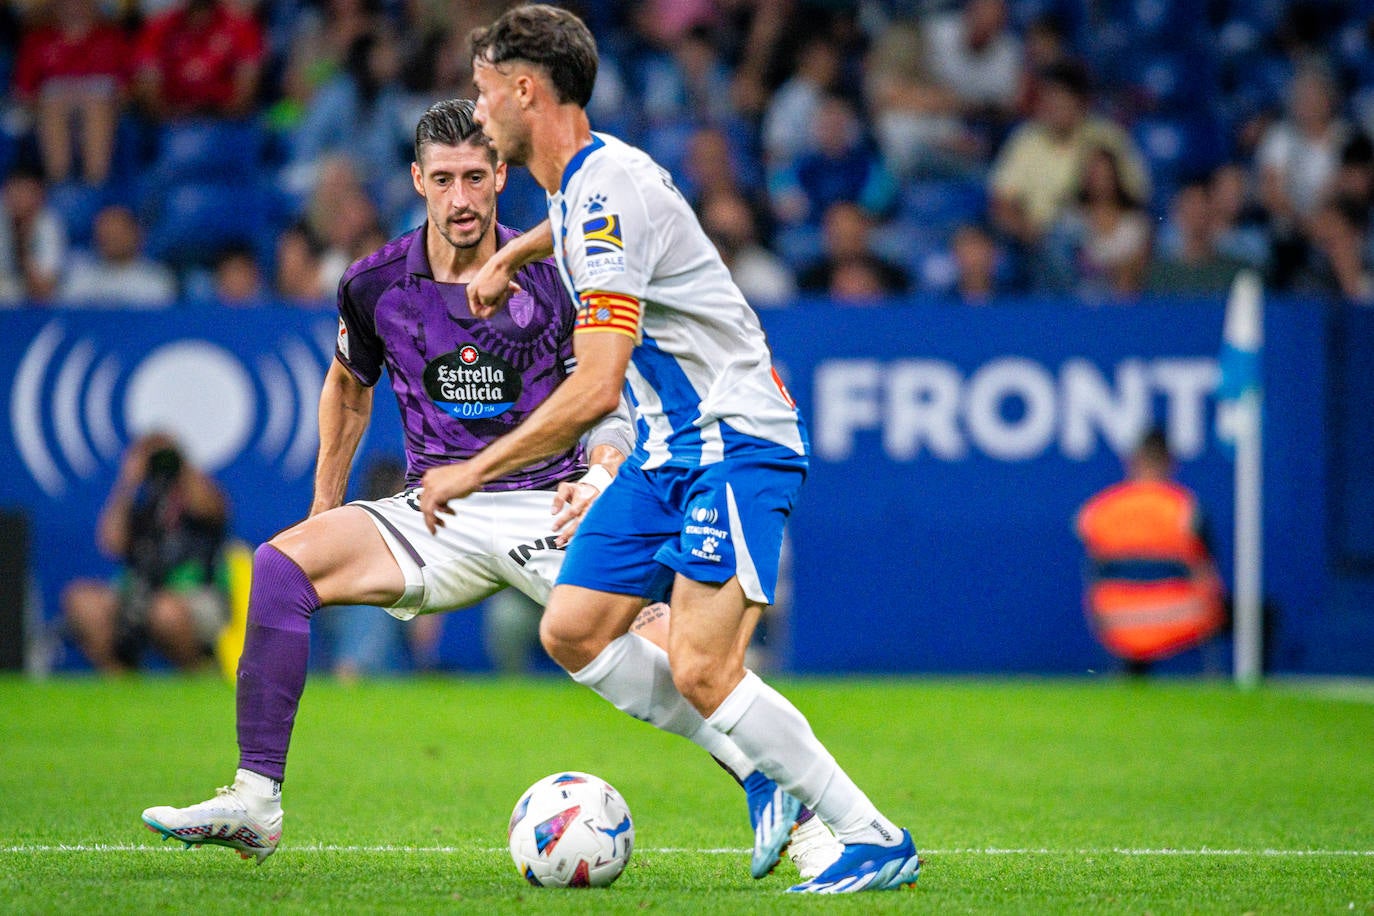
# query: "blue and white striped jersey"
[[633, 255]]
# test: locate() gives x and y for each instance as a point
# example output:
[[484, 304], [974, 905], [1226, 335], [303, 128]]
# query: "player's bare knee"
[[287, 543], [294, 549], [570, 645], [702, 681]]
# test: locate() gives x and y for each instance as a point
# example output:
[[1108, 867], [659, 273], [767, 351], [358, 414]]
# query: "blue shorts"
[[709, 524]]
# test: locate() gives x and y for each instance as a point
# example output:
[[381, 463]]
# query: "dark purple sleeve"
[[358, 347]]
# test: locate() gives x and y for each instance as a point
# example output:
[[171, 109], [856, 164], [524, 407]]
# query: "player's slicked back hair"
[[450, 123], [552, 38]]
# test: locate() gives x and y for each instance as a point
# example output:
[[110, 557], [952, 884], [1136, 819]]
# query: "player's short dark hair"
[[450, 123], [549, 37]]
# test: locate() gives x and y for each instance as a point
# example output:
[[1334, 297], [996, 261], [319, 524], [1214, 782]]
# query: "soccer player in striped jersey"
[[721, 451]]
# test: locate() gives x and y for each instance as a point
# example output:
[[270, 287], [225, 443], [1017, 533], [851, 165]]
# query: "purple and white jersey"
[[460, 382]]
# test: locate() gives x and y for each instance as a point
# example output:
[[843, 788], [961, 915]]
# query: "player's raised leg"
[[337, 557], [812, 847], [586, 631]]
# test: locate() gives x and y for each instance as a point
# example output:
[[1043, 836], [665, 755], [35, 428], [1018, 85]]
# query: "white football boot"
[[228, 819], [813, 848]]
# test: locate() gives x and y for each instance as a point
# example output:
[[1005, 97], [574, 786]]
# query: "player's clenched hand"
[[439, 485], [490, 289], [570, 503]]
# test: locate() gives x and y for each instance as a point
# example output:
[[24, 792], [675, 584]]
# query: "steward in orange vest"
[[1152, 588]]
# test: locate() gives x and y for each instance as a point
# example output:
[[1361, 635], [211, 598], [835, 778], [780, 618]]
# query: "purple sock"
[[276, 651]]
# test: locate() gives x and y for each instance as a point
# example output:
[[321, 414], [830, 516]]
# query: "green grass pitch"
[[1025, 797]]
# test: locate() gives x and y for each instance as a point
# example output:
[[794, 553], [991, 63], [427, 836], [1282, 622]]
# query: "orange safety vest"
[[1152, 590]]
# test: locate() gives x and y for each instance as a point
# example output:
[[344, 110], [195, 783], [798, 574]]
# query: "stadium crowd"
[[174, 152]]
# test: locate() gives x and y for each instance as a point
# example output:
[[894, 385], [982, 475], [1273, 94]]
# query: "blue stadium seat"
[[1355, 51], [1158, 21], [1178, 149], [1264, 81], [918, 248], [522, 204], [1180, 78], [78, 204], [942, 204], [9, 150], [800, 246], [667, 143], [198, 286], [1263, 15], [133, 150], [745, 151], [194, 222], [209, 150], [1071, 14]]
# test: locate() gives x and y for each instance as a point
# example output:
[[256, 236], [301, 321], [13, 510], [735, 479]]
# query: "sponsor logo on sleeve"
[[604, 246], [602, 235], [343, 339]]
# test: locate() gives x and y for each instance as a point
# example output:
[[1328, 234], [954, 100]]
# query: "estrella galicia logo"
[[469, 384]]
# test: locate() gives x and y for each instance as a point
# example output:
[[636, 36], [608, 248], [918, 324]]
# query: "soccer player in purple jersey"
[[460, 383]]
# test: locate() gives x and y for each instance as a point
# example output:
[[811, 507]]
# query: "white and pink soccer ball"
[[571, 830]]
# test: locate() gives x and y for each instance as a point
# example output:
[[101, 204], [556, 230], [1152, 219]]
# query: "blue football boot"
[[867, 867]]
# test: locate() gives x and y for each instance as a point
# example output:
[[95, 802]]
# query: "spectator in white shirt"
[[974, 54], [761, 275], [117, 274], [33, 240], [1299, 156], [787, 124]]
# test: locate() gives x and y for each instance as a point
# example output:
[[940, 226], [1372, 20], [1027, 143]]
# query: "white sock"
[[633, 674], [777, 737], [261, 793]]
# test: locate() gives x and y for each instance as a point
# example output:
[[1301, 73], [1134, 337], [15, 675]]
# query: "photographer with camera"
[[165, 522]]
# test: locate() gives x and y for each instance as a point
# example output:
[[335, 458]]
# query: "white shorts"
[[492, 540]]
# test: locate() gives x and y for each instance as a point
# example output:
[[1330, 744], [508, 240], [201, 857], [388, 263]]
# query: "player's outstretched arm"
[[574, 497], [495, 280], [608, 444], [574, 407], [345, 409]]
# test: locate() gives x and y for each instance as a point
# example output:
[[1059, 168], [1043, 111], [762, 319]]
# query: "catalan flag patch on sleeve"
[[603, 311]]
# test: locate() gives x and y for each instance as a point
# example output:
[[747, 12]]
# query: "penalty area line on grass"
[[672, 850]]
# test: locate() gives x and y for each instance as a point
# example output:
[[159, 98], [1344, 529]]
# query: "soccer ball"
[[571, 830]]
